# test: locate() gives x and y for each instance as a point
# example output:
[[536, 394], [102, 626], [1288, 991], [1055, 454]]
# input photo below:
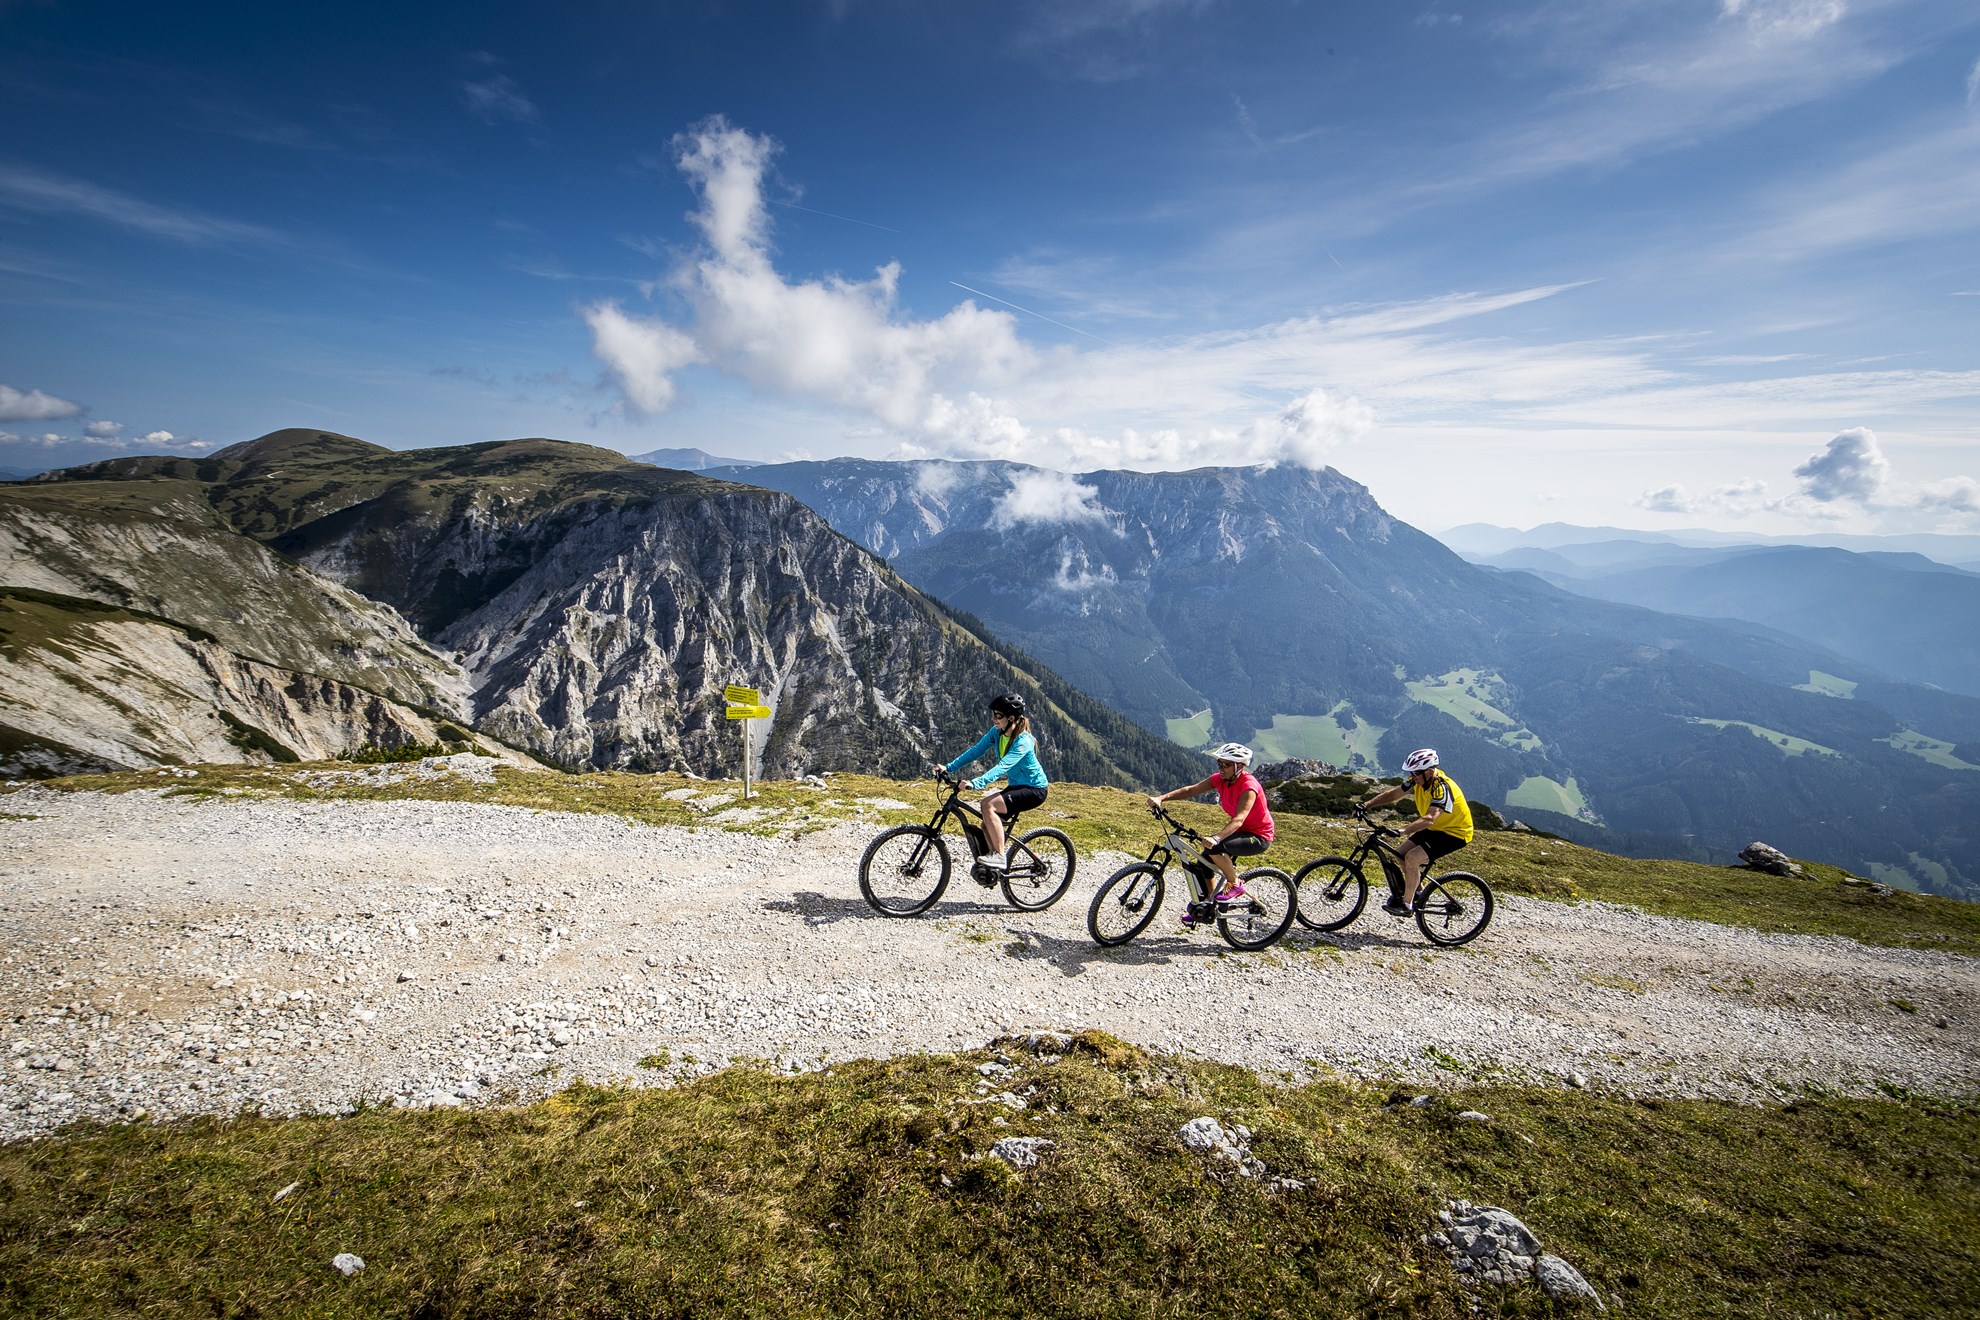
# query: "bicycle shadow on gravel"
[[820, 909], [823, 910], [1357, 940], [1073, 957]]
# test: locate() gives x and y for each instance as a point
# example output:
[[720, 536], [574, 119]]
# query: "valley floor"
[[182, 956]]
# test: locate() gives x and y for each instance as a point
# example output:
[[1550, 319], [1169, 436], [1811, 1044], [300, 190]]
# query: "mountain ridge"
[[596, 608]]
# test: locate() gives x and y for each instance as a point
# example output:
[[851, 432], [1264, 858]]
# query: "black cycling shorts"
[[1241, 844], [1021, 797], [1435, 843]]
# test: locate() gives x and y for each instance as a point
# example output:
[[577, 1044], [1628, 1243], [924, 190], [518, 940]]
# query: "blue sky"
[[1658, 264]]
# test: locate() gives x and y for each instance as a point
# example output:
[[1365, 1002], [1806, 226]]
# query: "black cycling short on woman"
[[1022, 797], [1241, 844]]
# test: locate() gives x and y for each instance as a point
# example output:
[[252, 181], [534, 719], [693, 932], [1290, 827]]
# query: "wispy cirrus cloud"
[[494, 97], [41, 193]]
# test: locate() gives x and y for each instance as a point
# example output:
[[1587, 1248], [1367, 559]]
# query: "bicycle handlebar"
[[1162, 814], [1385, 831]]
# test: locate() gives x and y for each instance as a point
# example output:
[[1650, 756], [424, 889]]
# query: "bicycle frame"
[[968, 818], [1180, 845]]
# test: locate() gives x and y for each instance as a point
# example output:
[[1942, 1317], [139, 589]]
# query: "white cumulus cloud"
[[830, 339], [103, 430], [1851, 468], [1046, 497], [34, 406], [962, 384], [642, 355]]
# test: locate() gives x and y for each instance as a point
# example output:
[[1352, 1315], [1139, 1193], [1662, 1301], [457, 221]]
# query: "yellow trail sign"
[[741, 696], [748, 712]]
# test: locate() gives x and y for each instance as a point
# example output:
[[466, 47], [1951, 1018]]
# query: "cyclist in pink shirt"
[[1243, 800]]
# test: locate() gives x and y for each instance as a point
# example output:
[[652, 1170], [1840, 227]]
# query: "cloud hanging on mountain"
[[1047, 497], [34, 406]]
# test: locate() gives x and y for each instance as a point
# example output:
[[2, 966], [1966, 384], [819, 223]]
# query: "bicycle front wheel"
[[1038, 869], [1126, 903], [1259, 918], [1453, 908], [1332, 892], [904, 871]]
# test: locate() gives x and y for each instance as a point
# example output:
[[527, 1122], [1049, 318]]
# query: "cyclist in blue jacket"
[[1009, 737]]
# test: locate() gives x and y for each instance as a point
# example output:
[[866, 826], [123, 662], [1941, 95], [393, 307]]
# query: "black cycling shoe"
[[1395, 908]]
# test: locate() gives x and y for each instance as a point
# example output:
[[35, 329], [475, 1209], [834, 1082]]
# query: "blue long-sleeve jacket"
[[1018, 765]]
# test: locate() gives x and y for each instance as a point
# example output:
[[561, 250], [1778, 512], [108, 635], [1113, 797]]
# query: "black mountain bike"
[[1451, 908], [906, 868], [1132, 895]]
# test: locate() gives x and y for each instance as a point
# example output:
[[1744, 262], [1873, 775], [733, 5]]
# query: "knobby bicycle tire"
[[1123, 907], [904, 870], [1038, 869], [1259, 919], [1332, 893], [1454, 908]]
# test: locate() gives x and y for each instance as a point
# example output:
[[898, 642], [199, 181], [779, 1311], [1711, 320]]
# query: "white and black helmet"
[[1233, 752], [1423, 758]]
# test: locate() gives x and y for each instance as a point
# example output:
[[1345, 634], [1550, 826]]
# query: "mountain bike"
[[906, 869], [1132, 895], [1451, 908]]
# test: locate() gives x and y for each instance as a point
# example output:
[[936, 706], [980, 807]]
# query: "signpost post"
[[745, 704]]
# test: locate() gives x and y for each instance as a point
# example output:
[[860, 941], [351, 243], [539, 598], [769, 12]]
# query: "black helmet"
[[1010, 705]]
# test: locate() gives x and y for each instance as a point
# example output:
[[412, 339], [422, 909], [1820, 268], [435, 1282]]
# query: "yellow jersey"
[[1444, 802]]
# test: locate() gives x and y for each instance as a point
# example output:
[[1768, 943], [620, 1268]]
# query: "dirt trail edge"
[[175, 956]]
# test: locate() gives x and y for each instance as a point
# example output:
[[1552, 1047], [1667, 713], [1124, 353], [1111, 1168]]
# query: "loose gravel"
[[163, 957]]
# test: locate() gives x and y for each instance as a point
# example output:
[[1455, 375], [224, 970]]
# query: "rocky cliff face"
[[157, 546], [85, 687]]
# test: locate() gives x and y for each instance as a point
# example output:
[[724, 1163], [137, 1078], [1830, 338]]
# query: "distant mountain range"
[[1482, 541], [11, 474], [1910, 617], [689, 460], [551, 597], [1285, 608]]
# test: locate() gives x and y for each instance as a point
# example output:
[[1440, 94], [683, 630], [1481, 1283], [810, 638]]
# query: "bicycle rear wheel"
[[1332, 892], [1126, 904], [904, 871], [1038, 869], [1453, 908], [1255, 921]]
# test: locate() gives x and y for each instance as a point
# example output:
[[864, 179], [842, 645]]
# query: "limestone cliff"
[[87, 687]]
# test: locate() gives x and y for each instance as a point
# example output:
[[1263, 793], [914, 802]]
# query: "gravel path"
[[177, 956]]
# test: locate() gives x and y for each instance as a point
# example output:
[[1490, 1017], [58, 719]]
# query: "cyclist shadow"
[[820, 910], [1073, 957]]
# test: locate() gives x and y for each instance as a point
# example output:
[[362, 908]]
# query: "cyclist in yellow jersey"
[[1442, 824]]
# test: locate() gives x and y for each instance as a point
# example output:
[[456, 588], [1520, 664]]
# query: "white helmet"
[[1233, 752], [1423, 758]]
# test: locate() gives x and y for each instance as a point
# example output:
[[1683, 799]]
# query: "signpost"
[[745, 704]]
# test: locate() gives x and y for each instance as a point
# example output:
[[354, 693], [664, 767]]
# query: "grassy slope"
[[862, 1192], [859, 1191]]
